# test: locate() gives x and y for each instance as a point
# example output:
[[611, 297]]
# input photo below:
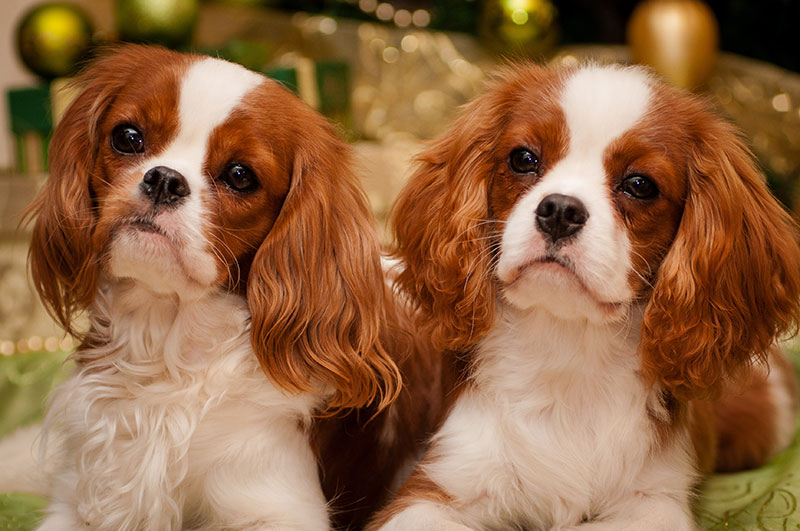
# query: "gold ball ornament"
[[52, 39], [519, 26], [678, 38], [166, 22]]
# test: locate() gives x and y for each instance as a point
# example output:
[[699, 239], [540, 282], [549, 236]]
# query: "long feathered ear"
[[63, 261], [730, 284], [316, 290], [442, 229]]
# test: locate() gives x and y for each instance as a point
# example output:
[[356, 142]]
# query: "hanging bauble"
[[678, 38], [52, 38], [166, 22], [519, 26]]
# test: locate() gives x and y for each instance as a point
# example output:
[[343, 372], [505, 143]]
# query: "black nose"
[[164, 186], [560, 216]]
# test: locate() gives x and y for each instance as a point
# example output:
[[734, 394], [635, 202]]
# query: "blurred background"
[[392, 75]]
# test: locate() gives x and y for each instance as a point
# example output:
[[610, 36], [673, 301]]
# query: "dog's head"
[[587, 192], [185, 174]]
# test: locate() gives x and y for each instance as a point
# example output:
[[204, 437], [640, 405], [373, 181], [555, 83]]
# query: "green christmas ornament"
[[166, 22], [52, 38], [522, 26]]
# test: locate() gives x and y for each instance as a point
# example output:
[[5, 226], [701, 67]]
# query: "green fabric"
[[763, 499], [25, 382], [20, 512]]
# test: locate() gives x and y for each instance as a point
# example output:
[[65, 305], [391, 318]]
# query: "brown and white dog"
[[209, 225], [604, 263]]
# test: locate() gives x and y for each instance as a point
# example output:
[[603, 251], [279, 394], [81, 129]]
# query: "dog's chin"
[[555, 288], [142, 253]]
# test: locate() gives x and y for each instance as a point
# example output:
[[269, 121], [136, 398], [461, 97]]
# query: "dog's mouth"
[[565, 266], [549, 258], [145, 225], [554, 259]]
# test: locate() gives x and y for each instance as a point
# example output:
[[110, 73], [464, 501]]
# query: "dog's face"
[[184, 175], [584, 193], [589, 191], [193, 166]]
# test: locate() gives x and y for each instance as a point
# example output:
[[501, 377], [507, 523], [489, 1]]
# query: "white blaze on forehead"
[[601, 103], [210, 90]]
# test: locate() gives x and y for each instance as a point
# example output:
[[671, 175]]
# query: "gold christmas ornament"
[[53, 37], [519, 26], [678, 38], [166, 22]]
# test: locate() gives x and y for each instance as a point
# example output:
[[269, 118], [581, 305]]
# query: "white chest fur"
[[175, 425], [555, 427]]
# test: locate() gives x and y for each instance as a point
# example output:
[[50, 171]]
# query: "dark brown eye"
[[127, 139], [523, 161], [239, 178], [639, 187]]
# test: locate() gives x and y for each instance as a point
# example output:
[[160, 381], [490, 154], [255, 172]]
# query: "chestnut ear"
[[316, 290], [62, 259], [729, 286], [442, 227]]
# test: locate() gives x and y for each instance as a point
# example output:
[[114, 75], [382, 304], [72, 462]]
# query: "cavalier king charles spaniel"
[[208, 225], [598, 258]]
